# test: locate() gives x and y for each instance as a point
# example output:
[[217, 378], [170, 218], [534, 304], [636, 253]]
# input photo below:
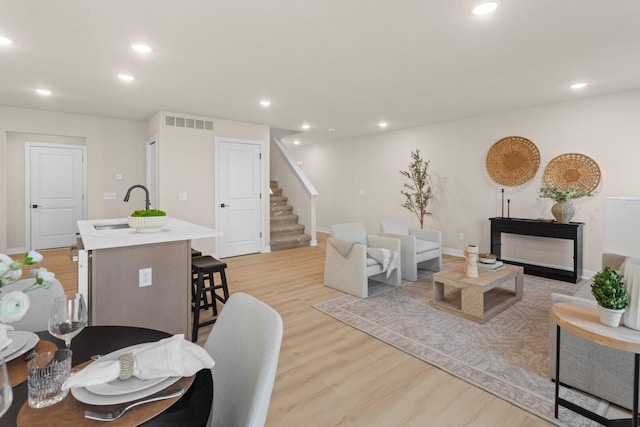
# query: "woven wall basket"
[[513, 161], [573, 170]]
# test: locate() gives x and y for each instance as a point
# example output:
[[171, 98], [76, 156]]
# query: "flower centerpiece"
[[563, 209], [14, 304]]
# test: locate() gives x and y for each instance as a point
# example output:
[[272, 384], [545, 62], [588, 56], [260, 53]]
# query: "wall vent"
[[185, 122]]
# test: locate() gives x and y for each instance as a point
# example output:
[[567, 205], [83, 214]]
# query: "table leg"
[[558, 371]]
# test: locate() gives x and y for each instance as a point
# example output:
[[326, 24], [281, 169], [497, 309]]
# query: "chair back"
[[395, 226], [352, 232], [245, 345], [40, 304]]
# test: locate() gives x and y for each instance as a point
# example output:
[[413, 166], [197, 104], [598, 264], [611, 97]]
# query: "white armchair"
[[352, 272], [419, 248]]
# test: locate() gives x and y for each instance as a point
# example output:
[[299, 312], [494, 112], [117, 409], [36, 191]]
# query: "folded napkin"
[[170, 357], [5, 341]]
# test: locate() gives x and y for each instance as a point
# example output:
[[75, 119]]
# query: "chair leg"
[[196, 313]]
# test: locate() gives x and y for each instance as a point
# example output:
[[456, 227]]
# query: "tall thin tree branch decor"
[[417, 193]]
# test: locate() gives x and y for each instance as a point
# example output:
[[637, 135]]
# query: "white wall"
[[186, 163], [604, 128], [113, 146]]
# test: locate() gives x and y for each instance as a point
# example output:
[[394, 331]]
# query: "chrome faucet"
[[126, 197]]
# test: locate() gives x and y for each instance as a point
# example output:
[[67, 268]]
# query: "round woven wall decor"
[[573, 170], [513, 160]]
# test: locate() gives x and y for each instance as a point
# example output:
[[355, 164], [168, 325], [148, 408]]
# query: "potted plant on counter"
[[608, 290], [148, 220]]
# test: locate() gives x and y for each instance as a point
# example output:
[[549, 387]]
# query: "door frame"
[[151, 152], [27, 183], [263, 182]]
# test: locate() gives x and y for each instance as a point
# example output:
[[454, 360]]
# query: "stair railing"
[[300, 191]]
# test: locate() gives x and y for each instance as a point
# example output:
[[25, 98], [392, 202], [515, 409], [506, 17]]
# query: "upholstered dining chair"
[[40, 306], [245, 345], [419, 248], [348, 268]]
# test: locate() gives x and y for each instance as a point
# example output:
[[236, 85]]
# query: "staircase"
[[286, 233]]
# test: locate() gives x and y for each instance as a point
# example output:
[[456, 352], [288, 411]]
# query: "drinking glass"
[[6, 396], [46, 373], [68, 318]]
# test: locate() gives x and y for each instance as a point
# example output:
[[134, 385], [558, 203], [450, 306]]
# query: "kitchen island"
[[138, 279]]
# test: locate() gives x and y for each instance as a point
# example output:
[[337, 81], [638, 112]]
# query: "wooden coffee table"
[[478, 299]]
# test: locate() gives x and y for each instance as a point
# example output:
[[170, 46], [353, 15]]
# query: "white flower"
[[6, 259], [33, 257], [43, 276], [13, 306]]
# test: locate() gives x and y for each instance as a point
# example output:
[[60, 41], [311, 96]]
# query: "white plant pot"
[[610, 317], [148, 224]]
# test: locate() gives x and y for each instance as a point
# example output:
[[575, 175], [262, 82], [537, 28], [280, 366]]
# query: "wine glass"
[[6, 395], [68, 318]]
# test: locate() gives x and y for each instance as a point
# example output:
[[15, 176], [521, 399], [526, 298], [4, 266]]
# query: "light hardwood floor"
[[330, 374]]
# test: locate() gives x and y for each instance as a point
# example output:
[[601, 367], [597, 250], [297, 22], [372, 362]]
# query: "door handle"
[[222, 205], [34, 206]]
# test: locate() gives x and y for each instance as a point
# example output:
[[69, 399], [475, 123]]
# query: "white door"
[[55, 179], [239, 199]]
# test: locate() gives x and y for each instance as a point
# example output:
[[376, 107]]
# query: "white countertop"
[[175, 230]]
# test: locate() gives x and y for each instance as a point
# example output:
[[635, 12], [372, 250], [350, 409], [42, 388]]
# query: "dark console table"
[[532, 227]]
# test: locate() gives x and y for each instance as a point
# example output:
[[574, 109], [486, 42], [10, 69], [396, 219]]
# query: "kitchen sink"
[[110, 226]]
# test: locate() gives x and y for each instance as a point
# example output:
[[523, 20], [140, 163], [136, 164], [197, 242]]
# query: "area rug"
[[508, 356]]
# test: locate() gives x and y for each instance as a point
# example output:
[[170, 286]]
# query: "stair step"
[[279, 221], [277, 200], [273, 184], [286, 230], [290, 242], [281, 210], [276, 192]]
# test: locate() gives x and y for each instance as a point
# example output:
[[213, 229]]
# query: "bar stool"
[[203, 269]]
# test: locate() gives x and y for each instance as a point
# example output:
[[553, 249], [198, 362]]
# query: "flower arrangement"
[[14, 305], [560, 195]]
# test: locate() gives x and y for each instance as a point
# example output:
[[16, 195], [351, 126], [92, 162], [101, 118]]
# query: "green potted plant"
[[418, 192], [608, 289], [563, 209], [148, 220]]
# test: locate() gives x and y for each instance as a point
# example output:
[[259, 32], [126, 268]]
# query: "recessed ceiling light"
[[306, 126], [43, 92], [382, 125], [142, 48], [332, 130], [126, 77], [296, 142], [5, 41], [485, 7], [578, 86], [265, 102]]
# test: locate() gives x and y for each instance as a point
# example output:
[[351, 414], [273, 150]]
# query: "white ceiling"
[[342, 64]]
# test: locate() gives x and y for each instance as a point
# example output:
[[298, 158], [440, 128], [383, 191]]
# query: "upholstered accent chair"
[[350, 270], [419, 248]]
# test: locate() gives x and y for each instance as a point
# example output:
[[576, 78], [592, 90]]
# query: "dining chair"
[[245, 345], [419, 248], [40, 307]]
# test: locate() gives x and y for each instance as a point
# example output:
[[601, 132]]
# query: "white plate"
[[83, 395], [119, 387], [17, 342], [30, 341]]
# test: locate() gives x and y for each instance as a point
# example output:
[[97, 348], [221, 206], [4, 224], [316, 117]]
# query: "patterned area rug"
[[508, 356]]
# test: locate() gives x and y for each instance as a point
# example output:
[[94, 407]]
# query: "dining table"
[[191, 409]]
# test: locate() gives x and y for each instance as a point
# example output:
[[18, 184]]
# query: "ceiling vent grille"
[[184, 122]]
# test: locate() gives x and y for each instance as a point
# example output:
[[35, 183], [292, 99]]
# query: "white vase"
[[609, 317], [471, 262]]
